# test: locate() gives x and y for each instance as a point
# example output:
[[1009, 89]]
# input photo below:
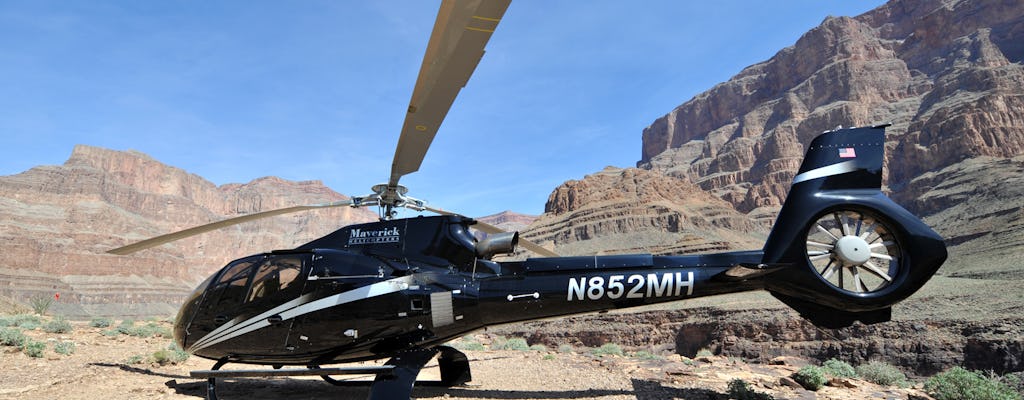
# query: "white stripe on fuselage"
[[297, 307], [830, 170]]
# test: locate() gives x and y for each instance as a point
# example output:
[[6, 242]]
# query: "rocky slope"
[[949, 76], [947, 73], [510, 221], [58, 221], [635, 210]]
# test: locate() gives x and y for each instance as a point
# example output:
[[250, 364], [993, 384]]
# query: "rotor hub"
[[852, 250]]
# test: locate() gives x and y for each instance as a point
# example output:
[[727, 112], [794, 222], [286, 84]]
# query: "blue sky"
[[234, 91]]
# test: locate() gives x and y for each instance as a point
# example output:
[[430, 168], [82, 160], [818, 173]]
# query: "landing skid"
[[394, 380]]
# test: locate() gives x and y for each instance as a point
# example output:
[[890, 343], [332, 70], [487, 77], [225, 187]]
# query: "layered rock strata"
[[638, 211], [58, 222]]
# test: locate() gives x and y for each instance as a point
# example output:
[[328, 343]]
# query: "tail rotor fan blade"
[[170, 237]]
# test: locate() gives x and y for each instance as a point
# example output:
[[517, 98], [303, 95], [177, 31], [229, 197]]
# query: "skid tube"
[[394, 380]]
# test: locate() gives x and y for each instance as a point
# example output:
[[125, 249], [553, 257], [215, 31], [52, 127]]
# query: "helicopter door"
[[246, 289], [275, 281]]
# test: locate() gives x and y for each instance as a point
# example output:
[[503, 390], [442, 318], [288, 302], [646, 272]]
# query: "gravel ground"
[[102, 366]]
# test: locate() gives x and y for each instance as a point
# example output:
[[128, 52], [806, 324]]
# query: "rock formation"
[[58, 221], [634, 210], [509, 221], [947, 74]]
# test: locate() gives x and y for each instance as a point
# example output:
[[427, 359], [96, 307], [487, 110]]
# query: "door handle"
[[275, 319]]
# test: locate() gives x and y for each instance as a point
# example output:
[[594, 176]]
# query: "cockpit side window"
[[232, 283], [275, 274]]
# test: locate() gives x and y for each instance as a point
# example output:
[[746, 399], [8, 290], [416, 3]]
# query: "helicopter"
[[840, 252]]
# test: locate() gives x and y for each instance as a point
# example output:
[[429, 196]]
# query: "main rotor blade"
[[488, 228], [170, 237], [455, 48]]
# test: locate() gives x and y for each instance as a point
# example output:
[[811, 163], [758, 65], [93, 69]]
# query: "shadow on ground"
[[252, 389]]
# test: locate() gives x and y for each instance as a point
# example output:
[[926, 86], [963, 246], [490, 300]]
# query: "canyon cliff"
[[58, 222], [948, 76]]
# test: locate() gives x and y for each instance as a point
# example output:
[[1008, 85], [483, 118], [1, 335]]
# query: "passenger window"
[[274, 275]]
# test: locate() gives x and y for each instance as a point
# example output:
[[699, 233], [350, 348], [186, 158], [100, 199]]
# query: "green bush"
[[136, 359], [839, 369], [646, 355], [57, 325], [151, 329], [959, 383], [518, 344], [882, 374], [607, 349], [466, 344], [1014, 380], [24, 321], [33, 348], [539, 347], [741, 390], [810, 377], [12, 337], [171, 355], [100, 322], [704, 353], [65, 348]]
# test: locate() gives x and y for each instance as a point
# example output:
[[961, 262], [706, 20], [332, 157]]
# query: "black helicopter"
[[398, 289]]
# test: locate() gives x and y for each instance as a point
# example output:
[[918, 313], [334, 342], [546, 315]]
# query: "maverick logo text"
[[389, 235]]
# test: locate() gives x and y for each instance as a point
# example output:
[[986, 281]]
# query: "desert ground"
[[107, 365]]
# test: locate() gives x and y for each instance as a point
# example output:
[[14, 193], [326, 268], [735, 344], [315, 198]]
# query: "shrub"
[[539, 347], [607, 349], [565, 348], [128, 327], [959, 383], [549, 356], [125, 326], [100, 322], [741, 390], [136, 359], [24, 321], [839, 369], [466, 344], [704, 353], [65, 348], [882, 374], [1014, 380], [646, 355], [518, 344], [33, 348], [40, 304], [171, 355], [57, 325], [12, 337], [810, 377]]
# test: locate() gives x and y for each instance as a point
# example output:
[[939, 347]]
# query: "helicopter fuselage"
[[370, 296]]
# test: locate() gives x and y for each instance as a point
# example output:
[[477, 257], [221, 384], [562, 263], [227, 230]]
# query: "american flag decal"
[[847, 152]]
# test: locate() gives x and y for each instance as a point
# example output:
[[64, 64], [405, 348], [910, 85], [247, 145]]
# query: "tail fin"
[[852, 251]]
